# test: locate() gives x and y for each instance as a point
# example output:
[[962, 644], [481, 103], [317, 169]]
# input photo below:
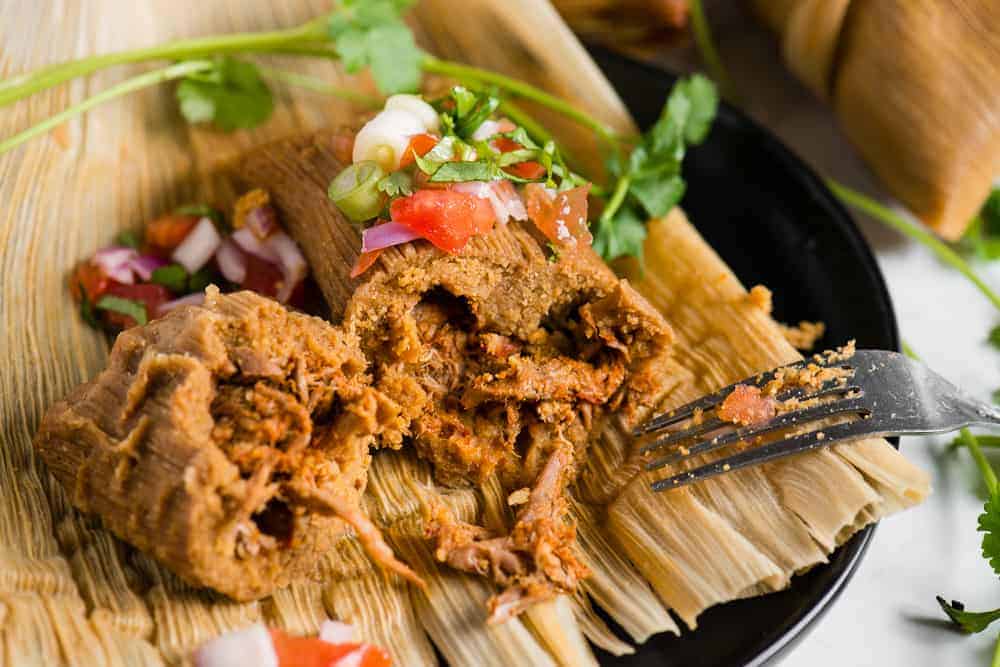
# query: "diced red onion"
[[486, 130], [262, 221], [116, 262], [501, 195], [198, 246], [195, 299], [338, 632], [246, 239], [144, 265], [250, 646], [291, 261], [386, 235], [232, 261]]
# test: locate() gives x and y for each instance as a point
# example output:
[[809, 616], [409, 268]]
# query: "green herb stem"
[[320, 86], [893, 219], [146, 80], [22, 86], [985, 469], [522, 90], [617, 199], [706, 46], [996, 655]]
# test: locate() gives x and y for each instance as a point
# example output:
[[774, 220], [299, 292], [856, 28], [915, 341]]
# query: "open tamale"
[[228, 440]]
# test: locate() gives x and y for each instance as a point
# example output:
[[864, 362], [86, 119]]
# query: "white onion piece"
[[198, 246], [386, 235], [338, 632], [116, 263], [144, 265], [385, 137], [415, 105], [486, 130], [291, 262], [241, 648], [232, 262], [352, 659], [195, 299], [505, 201], [246, 240]]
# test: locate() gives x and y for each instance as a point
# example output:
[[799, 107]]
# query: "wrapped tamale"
[[229, 440], [503, 360], [914, 85]]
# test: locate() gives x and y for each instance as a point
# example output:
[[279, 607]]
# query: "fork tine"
[[795, 445], [793, 418], [673, 438]]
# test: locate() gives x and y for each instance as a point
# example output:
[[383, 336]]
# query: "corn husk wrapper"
[[913, 83]]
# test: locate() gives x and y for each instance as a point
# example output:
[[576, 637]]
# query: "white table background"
[[887, 615]]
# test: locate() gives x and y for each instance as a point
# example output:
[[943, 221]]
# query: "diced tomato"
[[365, 262], [563, 219], [505, 145], [262, 277], [89, 277], [150, 294], [314, 652], [529, 169], [444, 217], [166, 233], [343, 146], [420, 144]]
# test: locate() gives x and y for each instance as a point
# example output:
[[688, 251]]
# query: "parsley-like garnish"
[[128, 238], [371, 33], [87, 309], [989, 525], [134, 309], [396, 184], [173, 276], [983, 236], [649, 183], [201, 279], [232, 95], [968, 621]]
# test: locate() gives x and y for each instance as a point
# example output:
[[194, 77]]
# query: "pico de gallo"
[[447, 170], [336, 646], [140, 278]]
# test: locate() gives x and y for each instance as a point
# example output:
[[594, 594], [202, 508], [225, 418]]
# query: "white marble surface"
[[887, 616]]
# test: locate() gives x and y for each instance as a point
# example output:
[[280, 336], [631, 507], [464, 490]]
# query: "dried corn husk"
[[913, 83]]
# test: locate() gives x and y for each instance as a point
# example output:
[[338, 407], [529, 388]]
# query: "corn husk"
[[913, 83]]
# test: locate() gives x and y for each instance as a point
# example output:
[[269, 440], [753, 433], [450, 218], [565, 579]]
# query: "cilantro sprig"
[[649, 181], [231, 94], [371, 33]]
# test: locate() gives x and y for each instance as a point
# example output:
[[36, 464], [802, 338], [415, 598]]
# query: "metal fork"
[[879, 394]]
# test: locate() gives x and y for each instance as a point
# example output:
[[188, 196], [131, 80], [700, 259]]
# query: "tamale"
[[502, 359], [215, 439], [913, 83]]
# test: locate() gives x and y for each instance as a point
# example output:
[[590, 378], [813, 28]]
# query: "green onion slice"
[[355, 191]]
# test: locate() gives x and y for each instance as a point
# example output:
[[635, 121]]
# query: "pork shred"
[[747, 405], [230, 441]]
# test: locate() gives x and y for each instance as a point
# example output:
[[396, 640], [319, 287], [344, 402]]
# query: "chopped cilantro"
[[371, 33], [173, 276], [128, 238], [87, 309], [989, 525], [232, 95], [134, 309], [395, 184], [201, 279]]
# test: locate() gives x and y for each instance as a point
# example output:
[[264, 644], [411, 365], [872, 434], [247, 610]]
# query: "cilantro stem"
[[24, 85], [889, 217], [519, 89], [320, 86], [706, 46], [617, 199], [146, 80], [996, 655]]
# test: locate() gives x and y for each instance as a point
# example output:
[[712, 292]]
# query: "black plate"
[[774, 222]]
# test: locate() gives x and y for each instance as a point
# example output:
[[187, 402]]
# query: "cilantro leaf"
[[983, 236], [173, 276], [232, 95], [128, 238], [371, 33], [459, 172], [649, 181], [395, 184], [134, 309], [201, 279], [994, 337], [989, 525], [621, 235], [968, 621]]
